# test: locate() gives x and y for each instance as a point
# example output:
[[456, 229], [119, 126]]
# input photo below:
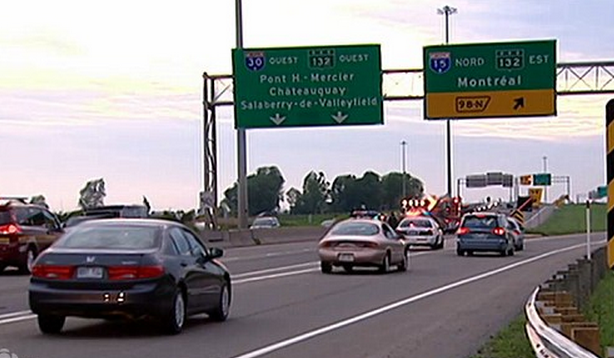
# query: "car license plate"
[[89, 272], [4, 240], [346, 257]]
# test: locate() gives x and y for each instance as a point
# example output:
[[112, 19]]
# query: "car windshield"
[[355, 228], [111, 237], [480, 222], [415, 223]]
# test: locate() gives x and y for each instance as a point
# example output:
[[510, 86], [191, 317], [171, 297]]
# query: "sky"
[[113, 89]]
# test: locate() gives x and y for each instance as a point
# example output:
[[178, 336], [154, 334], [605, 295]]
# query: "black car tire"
[[460, 252], [441, 243], [503, 252], [50, 324], [385, 266], [173, 321], [511, 251], [326, 267], [348, 268], [220, 314]]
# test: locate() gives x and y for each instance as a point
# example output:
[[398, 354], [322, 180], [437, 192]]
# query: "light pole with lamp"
[[403, 155], [447, 11]]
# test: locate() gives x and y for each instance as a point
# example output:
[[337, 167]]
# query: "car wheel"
[[175, 319], [385, 267], [503, 252], [326, 267], [441, 242], [460, 252], [223, 307], [30, 257], [348, 268], [50, 324], [521, 246], [511, 251]]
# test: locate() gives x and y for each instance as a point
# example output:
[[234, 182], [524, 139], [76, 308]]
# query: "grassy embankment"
[[511, 342]]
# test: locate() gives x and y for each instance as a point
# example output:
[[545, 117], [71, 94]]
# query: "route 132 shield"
[[440, 62], [255, 61]]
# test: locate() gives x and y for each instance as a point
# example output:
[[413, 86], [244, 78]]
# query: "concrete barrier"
[[248, 237]]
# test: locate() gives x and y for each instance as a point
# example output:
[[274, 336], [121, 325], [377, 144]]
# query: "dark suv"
[[25, 231], [484, 232]]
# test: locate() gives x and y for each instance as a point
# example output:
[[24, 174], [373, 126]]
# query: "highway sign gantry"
[[307, 86], [508, 79]]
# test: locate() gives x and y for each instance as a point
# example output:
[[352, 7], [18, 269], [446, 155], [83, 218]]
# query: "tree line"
[[318, 195]]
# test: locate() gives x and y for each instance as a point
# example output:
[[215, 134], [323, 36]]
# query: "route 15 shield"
[[440, 62], [254, 61]]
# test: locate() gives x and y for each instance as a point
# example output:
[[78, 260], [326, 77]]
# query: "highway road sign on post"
[[526, 179], [542, 179], [508, 79], [476, 181], [307, 86]]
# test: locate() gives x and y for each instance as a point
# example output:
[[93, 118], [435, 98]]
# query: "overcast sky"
[[113, 89]]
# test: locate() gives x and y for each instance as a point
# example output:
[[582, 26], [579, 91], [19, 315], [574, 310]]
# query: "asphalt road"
[[444, 306]]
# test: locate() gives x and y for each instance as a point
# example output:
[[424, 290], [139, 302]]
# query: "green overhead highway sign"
[[307, 86], [508, 79], [542, 179]]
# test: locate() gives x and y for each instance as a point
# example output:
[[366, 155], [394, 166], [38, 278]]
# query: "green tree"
[[293, 197], [392, 189], [369, 189], [343, 193], [315, 191], [264, 189]]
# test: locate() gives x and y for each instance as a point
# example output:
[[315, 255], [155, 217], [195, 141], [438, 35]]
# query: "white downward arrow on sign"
[[277, 119], [339, 117]]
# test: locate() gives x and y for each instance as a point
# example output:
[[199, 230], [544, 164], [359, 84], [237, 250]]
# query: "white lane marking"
[[308, 335], [13, 314], [275, 269], [268, 277], [267, 255], [17, 319]]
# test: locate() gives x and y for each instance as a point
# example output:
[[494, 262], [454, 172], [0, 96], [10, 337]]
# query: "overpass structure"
[[576, 78]]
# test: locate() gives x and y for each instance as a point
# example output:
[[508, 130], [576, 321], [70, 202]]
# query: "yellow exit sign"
[[490, 104]]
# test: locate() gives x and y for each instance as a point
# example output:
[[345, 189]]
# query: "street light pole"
[[545, 159], [241, 136], [447, 11], [403, 154]]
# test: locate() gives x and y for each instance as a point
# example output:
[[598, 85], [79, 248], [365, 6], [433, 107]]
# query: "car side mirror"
[[215, 253]]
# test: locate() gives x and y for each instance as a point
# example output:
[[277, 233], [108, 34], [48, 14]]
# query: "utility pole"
[[447, 11], [403, 149], [545, 159], [241, 136]]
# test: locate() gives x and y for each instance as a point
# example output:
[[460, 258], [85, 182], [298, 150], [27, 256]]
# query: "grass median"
[[571, 219]]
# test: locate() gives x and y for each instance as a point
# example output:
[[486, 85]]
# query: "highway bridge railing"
[[555, 327]]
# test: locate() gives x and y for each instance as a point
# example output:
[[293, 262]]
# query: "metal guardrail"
[[546, 341]]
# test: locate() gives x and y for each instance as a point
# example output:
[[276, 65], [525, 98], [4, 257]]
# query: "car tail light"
[[55, 272], [498, 231], [463, 231], [326, 244], [134, 272], [10, 229], [429, 232]]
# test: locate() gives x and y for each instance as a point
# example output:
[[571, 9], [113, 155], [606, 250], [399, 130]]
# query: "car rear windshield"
[[5, 217], [481, 222], [111, 237], [355, 228], [415, 223]]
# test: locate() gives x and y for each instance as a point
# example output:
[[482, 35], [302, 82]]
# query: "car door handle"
[[183, 264]]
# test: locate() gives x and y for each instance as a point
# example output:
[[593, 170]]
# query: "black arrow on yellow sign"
[[518, 103]]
